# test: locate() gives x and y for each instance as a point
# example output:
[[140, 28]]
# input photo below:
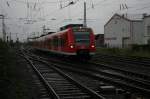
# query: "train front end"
[[84, 41]]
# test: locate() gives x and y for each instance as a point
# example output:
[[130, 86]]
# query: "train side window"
[[44, 43], [64, 39], [59, 41], [55, 41], [50, 42], [62, 42], [47, 42]]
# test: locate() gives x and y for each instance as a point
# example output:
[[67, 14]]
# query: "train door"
[[63, 42], [55, 42]]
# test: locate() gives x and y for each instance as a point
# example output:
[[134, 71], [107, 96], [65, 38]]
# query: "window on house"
[[148, 30], [115, 21], [123, 29]]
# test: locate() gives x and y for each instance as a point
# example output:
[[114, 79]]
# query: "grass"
[[124, 52], [15, 81]]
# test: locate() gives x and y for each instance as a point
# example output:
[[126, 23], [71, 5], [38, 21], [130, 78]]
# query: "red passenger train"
[[71, 40]]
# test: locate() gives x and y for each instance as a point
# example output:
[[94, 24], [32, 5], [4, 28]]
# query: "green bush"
[[140, 47], [136, 50]]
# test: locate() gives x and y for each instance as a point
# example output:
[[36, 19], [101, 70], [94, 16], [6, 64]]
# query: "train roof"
[[41, 35], [70, 25]]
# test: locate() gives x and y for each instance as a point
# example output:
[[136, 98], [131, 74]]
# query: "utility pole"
[[84, 23], [10, 36], [7, 39], [38, 34], [3, 27], [17, 39], [44, 29]]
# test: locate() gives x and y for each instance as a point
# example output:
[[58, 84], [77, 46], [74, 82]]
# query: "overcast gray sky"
[[27, 16]]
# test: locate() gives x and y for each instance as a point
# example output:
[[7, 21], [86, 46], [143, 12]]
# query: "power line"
[[142, 8], [43, 2], [53, 13], [79, 12], [145, 5], [124, 6], [71, 2]]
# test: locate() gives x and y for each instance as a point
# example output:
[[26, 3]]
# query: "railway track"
[[140, 61], [109, 91], [58, 84], [125, 82], [129, 81], [133, 81], [143, 71]]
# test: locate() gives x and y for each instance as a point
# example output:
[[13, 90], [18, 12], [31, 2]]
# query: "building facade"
[[120, 31], [99, 40], [146, 22]]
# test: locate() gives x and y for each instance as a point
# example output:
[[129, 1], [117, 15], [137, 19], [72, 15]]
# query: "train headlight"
[[71, 46], [92, 46]]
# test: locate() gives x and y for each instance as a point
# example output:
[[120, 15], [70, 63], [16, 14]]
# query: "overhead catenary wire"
[[29, 11], [34, 13], [78, 13], [100, 3], [43, 2]]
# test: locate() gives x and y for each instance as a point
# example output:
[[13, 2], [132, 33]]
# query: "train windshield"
[[82, 38]]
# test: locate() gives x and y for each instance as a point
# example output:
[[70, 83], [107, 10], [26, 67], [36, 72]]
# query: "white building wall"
[[138, 32], [114, 32], [146, 22]]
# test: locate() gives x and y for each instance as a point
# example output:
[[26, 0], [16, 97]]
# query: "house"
[[121, 31], [146, 22], [99, 40]]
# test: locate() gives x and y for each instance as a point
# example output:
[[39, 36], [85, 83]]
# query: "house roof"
[[147, 16], [128, 18], [99, 35]]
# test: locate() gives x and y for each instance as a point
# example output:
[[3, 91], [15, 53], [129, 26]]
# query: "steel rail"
[[119, 69], [47, 85], [112, 68], [131, 86], [91, 92], [134, 61], [124, 77], [108, 79], [97, 65]]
